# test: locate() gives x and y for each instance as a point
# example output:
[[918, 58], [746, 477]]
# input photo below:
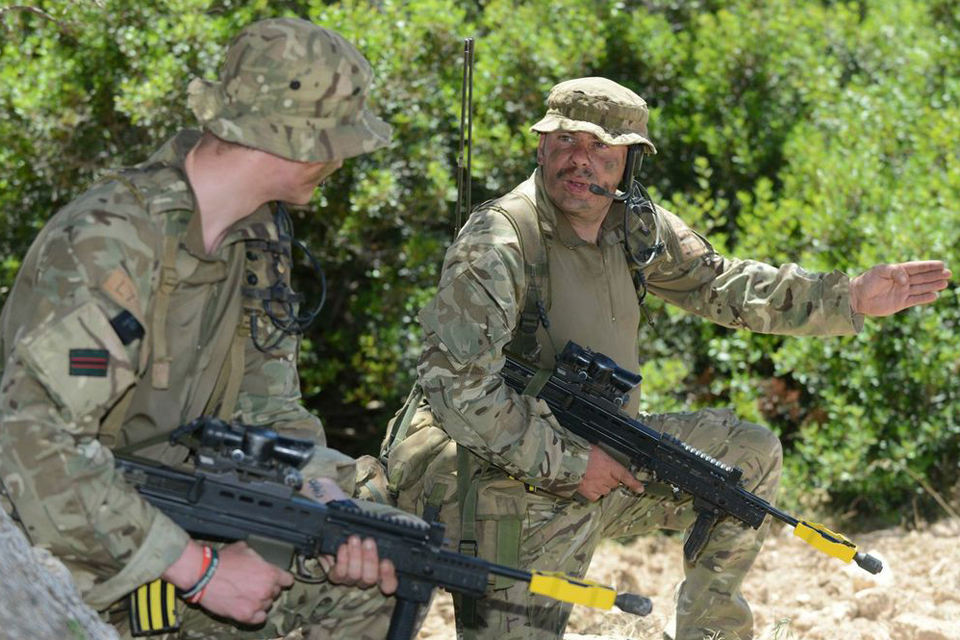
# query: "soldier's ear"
[[540, 149]]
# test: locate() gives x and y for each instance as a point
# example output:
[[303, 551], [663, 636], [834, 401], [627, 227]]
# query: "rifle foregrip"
[[403, 623], [699, 535], [868, 562]]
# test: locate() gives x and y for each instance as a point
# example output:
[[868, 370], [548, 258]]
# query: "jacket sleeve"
[[65, 366], [467, 325], [747, 294]]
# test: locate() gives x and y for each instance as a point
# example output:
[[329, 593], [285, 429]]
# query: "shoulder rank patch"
[[120, 288], [89, 362]]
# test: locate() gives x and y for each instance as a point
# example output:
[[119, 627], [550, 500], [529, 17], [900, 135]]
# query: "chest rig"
[[535, 236]]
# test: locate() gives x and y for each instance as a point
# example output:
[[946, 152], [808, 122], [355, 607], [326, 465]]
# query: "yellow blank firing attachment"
[[562, 587], [835, 544]]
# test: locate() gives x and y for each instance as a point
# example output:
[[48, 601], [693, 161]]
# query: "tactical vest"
[[217, 390]]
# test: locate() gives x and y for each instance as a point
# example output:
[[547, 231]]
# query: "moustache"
[[575, 172]]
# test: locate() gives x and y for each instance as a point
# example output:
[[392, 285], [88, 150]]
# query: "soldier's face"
[[571, 162]]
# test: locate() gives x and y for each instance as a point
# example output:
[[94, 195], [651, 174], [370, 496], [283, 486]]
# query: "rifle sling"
[[467, 493], [398, 434]]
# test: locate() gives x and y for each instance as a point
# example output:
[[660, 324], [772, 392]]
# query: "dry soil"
[[795, 592]]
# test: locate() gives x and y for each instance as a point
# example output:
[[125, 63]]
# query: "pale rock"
[[806, 620], [912, 626], [871, 603], [840, 610]]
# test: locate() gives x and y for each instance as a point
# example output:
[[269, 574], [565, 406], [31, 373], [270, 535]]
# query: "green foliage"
[[822, 133]]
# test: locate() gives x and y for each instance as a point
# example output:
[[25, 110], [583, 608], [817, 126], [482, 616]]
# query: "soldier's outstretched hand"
[[888, 288]]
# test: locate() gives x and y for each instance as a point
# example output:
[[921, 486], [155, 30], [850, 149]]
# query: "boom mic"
[[600, 191]]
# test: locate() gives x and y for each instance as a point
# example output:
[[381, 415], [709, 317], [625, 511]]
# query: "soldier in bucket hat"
[[561, 258], [143, 305]]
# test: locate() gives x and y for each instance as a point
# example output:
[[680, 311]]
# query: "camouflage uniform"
[[121, 326], [524, 467]]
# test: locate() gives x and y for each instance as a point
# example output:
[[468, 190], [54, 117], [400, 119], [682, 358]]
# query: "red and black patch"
[[89, 362]]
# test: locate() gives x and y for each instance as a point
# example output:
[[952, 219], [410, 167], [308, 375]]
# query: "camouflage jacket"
[[72, 350], [475, 312]]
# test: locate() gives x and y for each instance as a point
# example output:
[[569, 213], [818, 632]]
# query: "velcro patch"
[[127, 327], [89, 362]]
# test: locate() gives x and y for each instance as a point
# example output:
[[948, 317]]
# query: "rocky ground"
[[795, 592]]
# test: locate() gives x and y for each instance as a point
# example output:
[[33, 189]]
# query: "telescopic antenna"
[[466, 136]]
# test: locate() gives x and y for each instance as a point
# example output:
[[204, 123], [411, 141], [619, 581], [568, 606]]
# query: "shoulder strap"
[[521, 212], [168, 282], [400, 425]]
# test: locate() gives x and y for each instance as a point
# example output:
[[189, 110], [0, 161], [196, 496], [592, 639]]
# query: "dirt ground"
[[795, 591]]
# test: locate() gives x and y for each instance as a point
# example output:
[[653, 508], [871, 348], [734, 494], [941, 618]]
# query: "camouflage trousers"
[[561, 535], [303, 612]]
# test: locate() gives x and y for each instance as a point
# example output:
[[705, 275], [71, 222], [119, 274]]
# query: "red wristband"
[[210, 561]]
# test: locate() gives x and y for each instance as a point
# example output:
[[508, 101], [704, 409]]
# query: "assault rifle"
[[245, 487], [586, 391]]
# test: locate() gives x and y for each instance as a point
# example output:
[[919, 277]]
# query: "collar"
[[172, 154]]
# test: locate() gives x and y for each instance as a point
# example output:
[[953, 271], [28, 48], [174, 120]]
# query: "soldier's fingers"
[[327, 563], [928, 277], [923, 266], [355, 559], [340, 568], [925, 298], [371, 565], [388, 578], [627, 478], [285, 579], [927, 287]]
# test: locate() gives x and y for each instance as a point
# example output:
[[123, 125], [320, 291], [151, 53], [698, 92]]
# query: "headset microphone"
[[600, 191], [634, 159]]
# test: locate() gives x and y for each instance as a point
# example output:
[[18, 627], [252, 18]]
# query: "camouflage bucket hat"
[[599, 106], [294, 89]]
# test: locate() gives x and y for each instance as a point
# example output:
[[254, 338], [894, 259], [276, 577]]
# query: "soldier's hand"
[[603, 475], [243, 586], [357, 564], [888, 288], [323, 490]]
